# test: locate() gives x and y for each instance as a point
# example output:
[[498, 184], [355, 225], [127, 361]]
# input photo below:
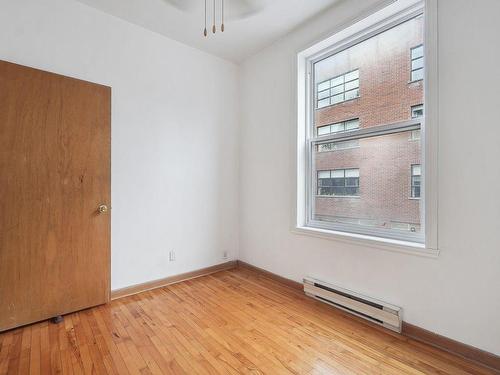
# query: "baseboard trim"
[[150, 285], [478, 356], [273, 276], [471, 353]]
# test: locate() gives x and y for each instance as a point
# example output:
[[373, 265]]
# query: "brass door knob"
[[102, 209]]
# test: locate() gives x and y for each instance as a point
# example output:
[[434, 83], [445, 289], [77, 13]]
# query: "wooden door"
[[54, 174]]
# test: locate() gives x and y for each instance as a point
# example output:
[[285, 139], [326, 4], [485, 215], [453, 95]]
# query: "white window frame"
[[358, 29]]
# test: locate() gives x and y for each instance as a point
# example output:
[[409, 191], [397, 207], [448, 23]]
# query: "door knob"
[[102, 209]]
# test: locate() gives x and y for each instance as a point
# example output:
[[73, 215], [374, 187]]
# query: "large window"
[[339, 182], [338, 89], [357, 169]]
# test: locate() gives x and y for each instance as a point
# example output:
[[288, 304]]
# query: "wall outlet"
[[225, 255], [171, 256]]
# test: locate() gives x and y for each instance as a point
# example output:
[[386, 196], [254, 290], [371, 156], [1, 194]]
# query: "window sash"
[[313, 190], [310, 139], [374, 131]]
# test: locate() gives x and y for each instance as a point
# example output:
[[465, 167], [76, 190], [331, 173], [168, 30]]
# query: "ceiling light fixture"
[[214, 28]]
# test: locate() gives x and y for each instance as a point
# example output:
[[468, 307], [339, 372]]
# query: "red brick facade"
[[386, 96]]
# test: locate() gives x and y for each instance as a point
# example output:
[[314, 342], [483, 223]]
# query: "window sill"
[[416, 81], [411, 248]]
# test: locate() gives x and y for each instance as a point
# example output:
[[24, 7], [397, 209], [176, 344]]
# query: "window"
[[338, 89], [417, 63], [415, 180], [330, 196], [415, 135], [339, 127], [417, 111], [337, 146], [339, 182]]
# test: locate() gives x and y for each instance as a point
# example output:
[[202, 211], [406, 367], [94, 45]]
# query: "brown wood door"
[[55, 146]]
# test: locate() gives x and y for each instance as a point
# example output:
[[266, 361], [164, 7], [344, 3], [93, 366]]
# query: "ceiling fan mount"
[[233, 9]]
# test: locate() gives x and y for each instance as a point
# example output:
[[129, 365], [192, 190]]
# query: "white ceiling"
[[245, 32]]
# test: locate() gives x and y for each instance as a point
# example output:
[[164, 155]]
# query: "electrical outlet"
[[225, 255], [171, 256]]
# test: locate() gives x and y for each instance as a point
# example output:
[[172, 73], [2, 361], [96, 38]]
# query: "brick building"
[[371, 181]]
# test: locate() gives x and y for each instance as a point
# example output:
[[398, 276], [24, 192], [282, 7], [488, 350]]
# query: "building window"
[[339, 127], [417, 63], [378, 145], [338, 89], [338, 146], [339, 182], [415, 135], [415, 180], [417, 111]]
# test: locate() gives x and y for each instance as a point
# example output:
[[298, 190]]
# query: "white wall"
[[456, 295], [175, 158], [174, 131]]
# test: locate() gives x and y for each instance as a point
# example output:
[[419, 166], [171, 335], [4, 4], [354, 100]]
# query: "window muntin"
[[338, 127], [339, 182], [382, 142], [416, 172], [338, 89], [417, 63]]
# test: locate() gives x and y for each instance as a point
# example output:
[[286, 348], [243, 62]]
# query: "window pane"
[[324, 174], [337, 89], [417, 64], [337, 81], [352, 124], [351, 94], [337, 146], [352, 75], [338, 173], [338, 127], [417, 111], [323, 86], [323, 103], [417, 52], [416, 170], [323, 94], [415, 135], [352, 85], [337, 99], [352, 173], [322, 130], [373, 187], [417, 75]]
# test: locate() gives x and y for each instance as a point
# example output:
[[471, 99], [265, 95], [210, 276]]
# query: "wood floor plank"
[[231, 322]]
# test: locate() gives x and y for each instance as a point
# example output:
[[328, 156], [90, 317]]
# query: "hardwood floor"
[[235, 321]]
